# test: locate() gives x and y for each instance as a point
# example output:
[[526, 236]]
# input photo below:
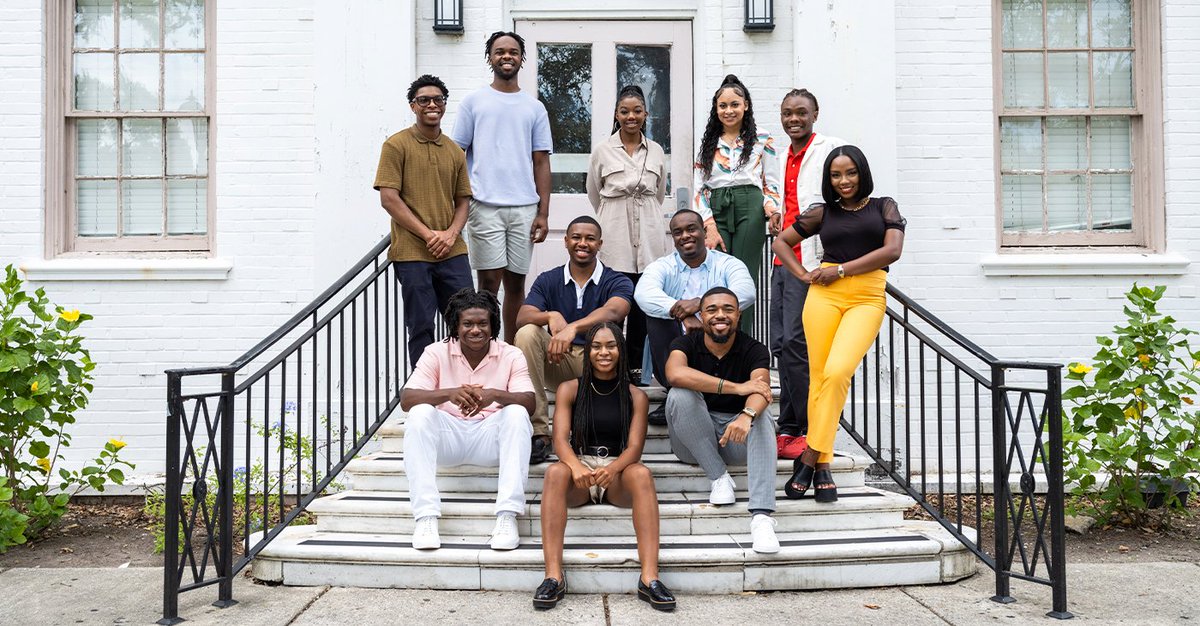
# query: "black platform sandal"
[[825, 494], [801, 475]]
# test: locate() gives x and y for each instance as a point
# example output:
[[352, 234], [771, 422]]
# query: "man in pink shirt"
[[468, 402]]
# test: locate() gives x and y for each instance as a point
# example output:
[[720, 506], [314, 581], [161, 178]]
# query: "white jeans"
[[433, 438]]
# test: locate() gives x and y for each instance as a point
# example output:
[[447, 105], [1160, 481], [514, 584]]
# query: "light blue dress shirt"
[[665, 281]]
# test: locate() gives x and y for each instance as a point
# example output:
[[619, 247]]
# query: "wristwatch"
[[841, 272], [751, 412]]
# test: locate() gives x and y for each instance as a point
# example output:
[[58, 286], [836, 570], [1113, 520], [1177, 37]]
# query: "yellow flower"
[[33, 388], [1144, 358], [1080, 368], [1130, 413], [117, 444], [71, 316], [1186, 400], [44, 464], [1137, 391]]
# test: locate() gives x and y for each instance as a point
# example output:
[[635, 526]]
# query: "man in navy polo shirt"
[[563, 304]]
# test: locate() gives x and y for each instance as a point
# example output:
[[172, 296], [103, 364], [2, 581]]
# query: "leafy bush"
[[1135, 419], [45, 379]]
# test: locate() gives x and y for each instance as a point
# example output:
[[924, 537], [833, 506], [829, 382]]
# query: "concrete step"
[[384, 471], [914, 553], [473, 514], [391, 436]]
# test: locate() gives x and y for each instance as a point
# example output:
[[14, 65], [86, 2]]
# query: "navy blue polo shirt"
[[555, 290]]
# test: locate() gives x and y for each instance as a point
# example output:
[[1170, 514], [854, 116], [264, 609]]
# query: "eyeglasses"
[[425, 101]]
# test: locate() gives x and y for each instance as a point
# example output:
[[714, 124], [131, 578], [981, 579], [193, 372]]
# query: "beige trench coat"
[[627, 195]]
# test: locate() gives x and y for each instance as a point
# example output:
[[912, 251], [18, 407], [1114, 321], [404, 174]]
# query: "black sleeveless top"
[[605, 426], [848, 235]]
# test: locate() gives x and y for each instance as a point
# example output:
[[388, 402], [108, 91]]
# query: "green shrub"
[[1133, 427], [45, 379]]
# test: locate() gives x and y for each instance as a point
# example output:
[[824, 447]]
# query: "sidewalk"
[[1140, 593]]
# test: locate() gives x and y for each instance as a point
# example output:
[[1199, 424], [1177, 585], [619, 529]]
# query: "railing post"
[[1054, 495], [174, 485], [1000, 486], [225, 495]]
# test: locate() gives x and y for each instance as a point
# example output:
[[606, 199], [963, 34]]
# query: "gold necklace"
[[601, 393], [857, 208]]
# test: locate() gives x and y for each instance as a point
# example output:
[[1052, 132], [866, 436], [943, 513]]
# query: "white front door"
[[576, 68]]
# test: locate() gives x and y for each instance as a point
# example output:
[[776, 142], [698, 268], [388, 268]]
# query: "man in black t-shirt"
[[717, 409]]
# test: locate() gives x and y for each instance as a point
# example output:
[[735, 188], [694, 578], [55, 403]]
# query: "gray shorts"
[[498, 236]]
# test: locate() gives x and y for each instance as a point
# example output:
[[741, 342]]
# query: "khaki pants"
[[533, 341]]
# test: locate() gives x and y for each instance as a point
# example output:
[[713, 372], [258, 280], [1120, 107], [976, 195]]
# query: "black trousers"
[[661, 332], [425, 289], [635, 329], [790, 350]]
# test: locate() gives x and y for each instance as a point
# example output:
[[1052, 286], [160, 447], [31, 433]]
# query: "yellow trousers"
[[841, 321]]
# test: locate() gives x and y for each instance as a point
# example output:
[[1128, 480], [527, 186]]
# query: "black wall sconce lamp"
[[760, 16], [448, 16]]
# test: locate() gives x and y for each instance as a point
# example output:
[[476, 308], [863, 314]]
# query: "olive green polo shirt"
[[429, 174]]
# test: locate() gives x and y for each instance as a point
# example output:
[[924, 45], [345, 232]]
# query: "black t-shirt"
[[744, 356], [848, 235], [606, 427]]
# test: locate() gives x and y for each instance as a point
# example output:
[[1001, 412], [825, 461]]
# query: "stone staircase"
[[361, 538]]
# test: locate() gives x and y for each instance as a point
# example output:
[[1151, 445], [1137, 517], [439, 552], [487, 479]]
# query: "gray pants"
[[695, 431]]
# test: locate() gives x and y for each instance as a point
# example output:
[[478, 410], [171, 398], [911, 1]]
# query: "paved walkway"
[[1141, 593]]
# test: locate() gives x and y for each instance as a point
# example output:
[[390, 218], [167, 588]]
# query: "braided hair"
[[803, 93], [628, 91], [583, 422], [712, 130], [468, 298]]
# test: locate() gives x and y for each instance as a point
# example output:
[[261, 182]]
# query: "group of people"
[[582, 328]]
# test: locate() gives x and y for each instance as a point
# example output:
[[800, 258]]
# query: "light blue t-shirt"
[[500, 132]]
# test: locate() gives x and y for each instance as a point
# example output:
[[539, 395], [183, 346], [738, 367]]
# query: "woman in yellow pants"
[[862, 236]]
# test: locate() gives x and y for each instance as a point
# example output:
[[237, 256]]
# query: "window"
[[131, 135], [1079, 139]]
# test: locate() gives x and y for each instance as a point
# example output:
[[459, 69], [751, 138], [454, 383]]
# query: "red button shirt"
[[791, 206]]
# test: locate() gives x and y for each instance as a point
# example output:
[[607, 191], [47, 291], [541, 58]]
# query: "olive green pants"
[[738, 212]]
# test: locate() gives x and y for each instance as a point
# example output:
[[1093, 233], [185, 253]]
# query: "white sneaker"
[[505, 537], [425, 535], [722, 490], [762, 529]]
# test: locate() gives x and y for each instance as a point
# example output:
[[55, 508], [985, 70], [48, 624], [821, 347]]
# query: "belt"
[[600, 451]]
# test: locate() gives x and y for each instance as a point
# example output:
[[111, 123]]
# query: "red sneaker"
[[794, 448], [781, 443]]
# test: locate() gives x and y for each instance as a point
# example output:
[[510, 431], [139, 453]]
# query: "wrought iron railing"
[[308, 398]]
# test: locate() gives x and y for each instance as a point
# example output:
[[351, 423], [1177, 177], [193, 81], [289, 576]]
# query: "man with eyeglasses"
[[423, 185]]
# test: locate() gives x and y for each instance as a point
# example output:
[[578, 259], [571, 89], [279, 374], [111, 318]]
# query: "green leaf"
[[39, 449], [117, 476]]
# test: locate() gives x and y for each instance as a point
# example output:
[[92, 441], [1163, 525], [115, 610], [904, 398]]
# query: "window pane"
[[139, 81], [96, 148], [141, 146], [1112, 202], [1110, 143], [139, 24], [142, 207], [1023, 84], [187, 146], [93, 24], [1066, 204], [1112, 24], [1066, 143], [184, 82], [186, 202], [565, 87], [1022, 24], [184, 24], [1114, 78], [649, 67], [96, 203], [1066, 23], [1022, 199], [1068, 79], [1021, 144], [94, 81]]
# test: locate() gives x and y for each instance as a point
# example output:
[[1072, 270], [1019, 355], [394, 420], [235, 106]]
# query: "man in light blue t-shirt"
[[506, 134]]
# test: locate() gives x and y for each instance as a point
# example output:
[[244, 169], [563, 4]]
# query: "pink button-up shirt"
[[443, 366]]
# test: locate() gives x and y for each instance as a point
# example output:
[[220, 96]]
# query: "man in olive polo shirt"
[[423, 185]]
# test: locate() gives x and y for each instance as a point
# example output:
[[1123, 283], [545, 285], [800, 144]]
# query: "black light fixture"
[[760, 16], [448, 16]]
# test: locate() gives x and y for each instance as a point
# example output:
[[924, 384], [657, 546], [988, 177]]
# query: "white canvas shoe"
[[425, 535], [505, 536], [762, 530], [722, 490]]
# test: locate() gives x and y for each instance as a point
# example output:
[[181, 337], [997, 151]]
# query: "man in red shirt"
[[801, 188]]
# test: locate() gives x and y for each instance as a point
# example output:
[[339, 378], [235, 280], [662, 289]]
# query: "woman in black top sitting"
[[599, 431], [846, 299]]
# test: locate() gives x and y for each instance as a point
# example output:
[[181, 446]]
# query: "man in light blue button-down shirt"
[[670, 289]]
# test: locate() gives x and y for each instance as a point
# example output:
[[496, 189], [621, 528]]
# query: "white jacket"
[[807, 188]]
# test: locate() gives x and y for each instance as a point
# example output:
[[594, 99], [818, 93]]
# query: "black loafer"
[[549, 593], [539, 450], [656, 594], [658, 416]]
